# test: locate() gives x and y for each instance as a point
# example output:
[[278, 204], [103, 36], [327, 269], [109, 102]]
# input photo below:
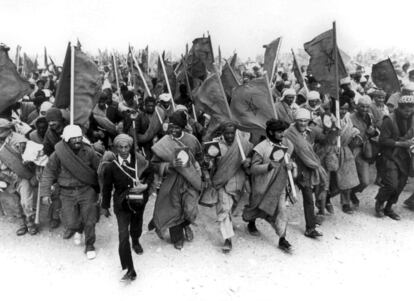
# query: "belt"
[[72, 187]]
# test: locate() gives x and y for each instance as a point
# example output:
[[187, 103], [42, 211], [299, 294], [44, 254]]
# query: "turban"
[[165, 97], [345, 81], [123, 138], [364, 100], [45, 106], [71, 131], [314, 95], [408, 89], [6, 127], [179, 118], [54, 114], [289, 92], [302, 113], [377, 93], [406, 99], [181, 108]]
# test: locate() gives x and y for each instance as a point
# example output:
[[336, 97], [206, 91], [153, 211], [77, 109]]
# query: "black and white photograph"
[[206, 150]]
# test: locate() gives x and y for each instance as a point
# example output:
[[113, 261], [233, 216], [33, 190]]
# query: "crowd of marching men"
[[135, 146]]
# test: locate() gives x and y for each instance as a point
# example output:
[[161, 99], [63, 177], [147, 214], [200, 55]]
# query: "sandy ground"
[[359, 257]]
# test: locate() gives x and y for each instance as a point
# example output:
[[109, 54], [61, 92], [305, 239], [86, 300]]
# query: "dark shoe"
[[379, 209], [391, 214], [32, 229], [136, 246], [151, 225], [129, 276], [347, 209], [54, 223], [21, 231], [179, 244], [312, 233], [227, 246], [284, 245], [68, 234], [354, 200], [252, 229], [409, 203], [188, 233], [329, 207]]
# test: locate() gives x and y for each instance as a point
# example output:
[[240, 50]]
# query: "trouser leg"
[[70, 210], [89, 214], [363, 174], [26, 193], [308, 207], [345, 196], [177, 233], [390, 184], [56, 205], [124, 249], [223, 210], [136, 223]]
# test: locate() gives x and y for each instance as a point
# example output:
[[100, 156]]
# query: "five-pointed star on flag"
[[251, 106]]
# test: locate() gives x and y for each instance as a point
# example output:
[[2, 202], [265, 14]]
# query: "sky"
[[241, 25]]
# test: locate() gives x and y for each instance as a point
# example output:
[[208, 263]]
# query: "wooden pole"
[[116, 76], [167, 81], [72, 84], [141, 75], [223, 93], [338, 117], [187, 82]]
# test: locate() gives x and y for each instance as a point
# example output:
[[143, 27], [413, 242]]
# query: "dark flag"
[[233, 61], [87, 84], [144, 60], [200, 58], [270, 57], [210, 98], [322, 61], [45, 59], [296, 71], [251, 105], [384, 76], [229, 79], [12, 85], [28, 65]]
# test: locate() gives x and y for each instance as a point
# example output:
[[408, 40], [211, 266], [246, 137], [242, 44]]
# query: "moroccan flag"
[[28, 65], [86, 87], [322, 62], [296, 70], [270, 57], [12, 85], [384, 76], [251, 105], [229, 79], [200, 58], [144, 60], [210, 98]]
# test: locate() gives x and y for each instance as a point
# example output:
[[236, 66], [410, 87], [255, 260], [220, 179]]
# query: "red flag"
[[251, 105], [86, 87], [229, 79], [296, 70], [233, 61], [200, 58], [12, 85], [210, 98], [384, 76], [270, 57], [322, 61]]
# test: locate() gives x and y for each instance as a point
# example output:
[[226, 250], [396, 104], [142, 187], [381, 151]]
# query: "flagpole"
[[72, 84], [166, 79], [275, 61], [189, 87], [141, 75], [243, 155], [336, 83], [116, 75], [300, 72]]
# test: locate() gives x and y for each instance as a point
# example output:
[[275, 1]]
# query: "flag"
[[233, 61], [28, 65], [12, 85], [384, 76], [219, 58], [322, 62], [251, 105], [45, 59], [270, 57], [296, 71], [210, 98], [87, 84], [200, 58], [229, 79], [144, 61], [17, 56]]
